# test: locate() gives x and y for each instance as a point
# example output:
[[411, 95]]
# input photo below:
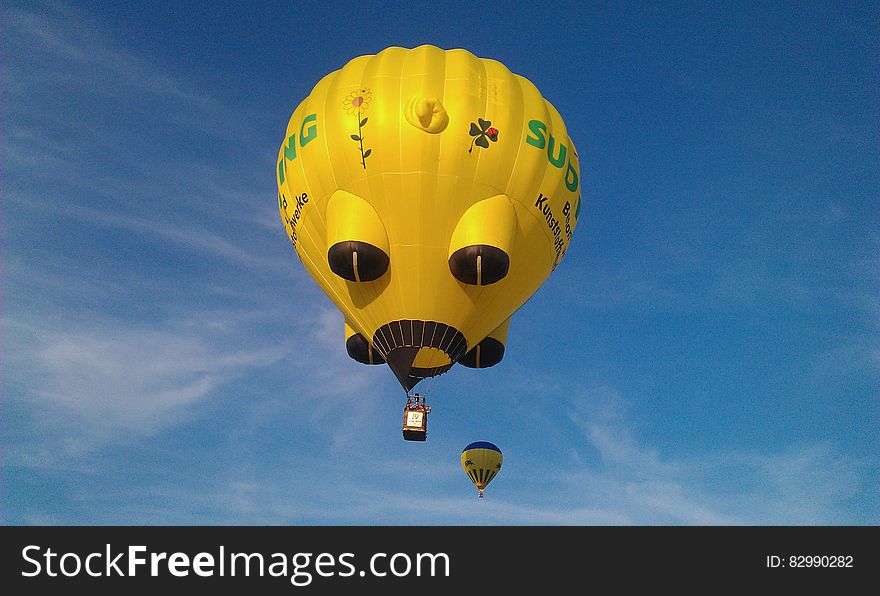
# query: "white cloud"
[[87, 381], [86, 140], [630, 483], [89, 58], [797, 485], [108, 383], [191, 235], [102, 381]]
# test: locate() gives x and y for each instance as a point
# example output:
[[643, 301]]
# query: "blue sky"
[[707, 353]]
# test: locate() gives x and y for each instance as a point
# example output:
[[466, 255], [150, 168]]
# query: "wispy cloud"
[[612, 476], [102, 381], [85, 367], [65, 39], [799, 486], [107, 381], [190, 235], [150, 286], [80, 148]]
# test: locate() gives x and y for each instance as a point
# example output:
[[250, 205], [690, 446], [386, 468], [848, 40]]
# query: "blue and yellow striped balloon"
[[481, 461]]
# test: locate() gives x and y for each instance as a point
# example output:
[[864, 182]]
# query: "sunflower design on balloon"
[[356, 104], [483, 132]]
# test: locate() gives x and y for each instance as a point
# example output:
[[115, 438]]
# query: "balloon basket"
[[415, 418]]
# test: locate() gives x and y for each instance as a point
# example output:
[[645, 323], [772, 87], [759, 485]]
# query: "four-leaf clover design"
[[483, 132]]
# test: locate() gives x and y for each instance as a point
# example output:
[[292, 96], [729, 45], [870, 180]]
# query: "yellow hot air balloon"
[[481, 461], [429, 193]]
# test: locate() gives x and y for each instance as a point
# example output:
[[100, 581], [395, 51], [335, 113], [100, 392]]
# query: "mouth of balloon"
[[416, 350]]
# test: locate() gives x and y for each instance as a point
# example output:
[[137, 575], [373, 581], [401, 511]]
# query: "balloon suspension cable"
[[417, 401], [428, 383]]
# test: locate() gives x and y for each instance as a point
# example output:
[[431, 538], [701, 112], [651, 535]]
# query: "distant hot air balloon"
[[429, 193], [481, 461]]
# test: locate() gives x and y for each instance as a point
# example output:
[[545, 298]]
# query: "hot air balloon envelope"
[[429, 193], [481, 461]]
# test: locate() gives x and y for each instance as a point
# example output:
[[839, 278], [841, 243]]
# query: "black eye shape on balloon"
[[358, 248], [482, 241], [479, 264], [357, 261]]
